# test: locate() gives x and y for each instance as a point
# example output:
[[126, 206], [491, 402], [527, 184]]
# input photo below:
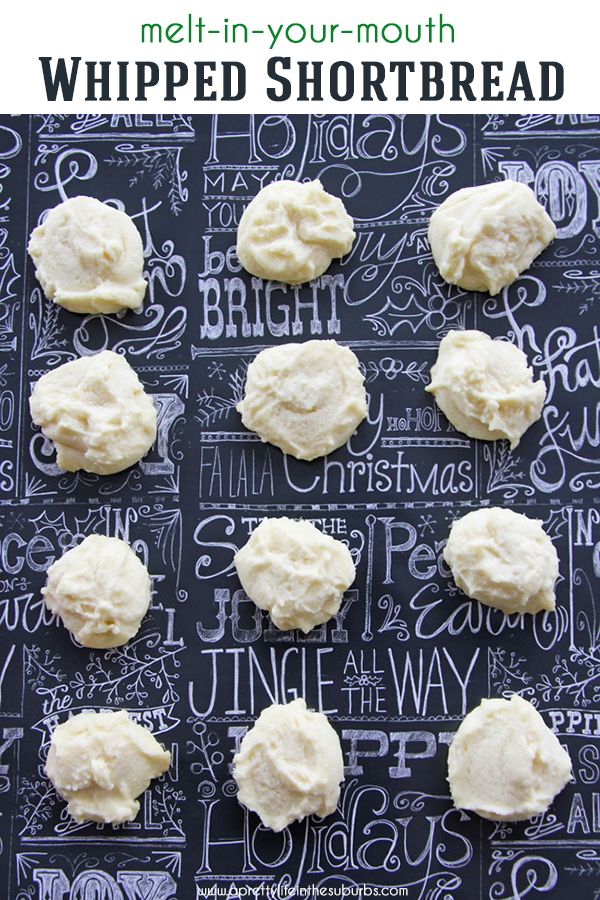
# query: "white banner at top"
[[159, 56]]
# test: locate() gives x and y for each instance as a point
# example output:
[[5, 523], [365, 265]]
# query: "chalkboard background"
[[408, 655]]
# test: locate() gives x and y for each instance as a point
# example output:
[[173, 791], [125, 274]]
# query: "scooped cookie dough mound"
[[485, 387], [292, 230], [289, 765], [295, 572], [307, 399], [483, 237], [505, 763], [100, 762], [89, 257], [504, 559], [100, 590], [96, 412]]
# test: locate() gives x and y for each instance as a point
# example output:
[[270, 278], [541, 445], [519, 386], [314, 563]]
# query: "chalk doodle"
[[408, 654]]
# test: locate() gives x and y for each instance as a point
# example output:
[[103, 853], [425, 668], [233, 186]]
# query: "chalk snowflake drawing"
[[161, 165], [425, 524], [504, 476], [213, 407], [216, 369]]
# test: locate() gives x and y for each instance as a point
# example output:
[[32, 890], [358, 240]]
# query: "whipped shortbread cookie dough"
[[485, 387], [96, 412], [307, 399], [100, 590], [505, 763], [483, 237], [89, 257], [295, 572], [504, 559], [100, 762], [292, 230], [289, 765]]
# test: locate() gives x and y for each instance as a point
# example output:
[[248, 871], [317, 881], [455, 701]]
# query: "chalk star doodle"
[[216, 369], [212, 407], [425, 524]]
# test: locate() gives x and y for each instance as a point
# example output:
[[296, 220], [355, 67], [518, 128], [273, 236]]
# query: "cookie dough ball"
[[96, 412], [485, 387], [289, 765], [504, 559], [307, 399], [482, 238], [89, 257], [505, 763], [100, 590], [295, 572], [100, 762], [292, 230]]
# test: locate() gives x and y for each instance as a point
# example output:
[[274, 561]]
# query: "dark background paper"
[[408, 655]]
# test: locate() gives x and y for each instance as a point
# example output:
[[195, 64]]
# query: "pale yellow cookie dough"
[[483, 237], [505, 763], [295, 572], [292, 230], [100, 590], [504, 559], [485, 387], [89, 257], [289, 765], [96, 412], [100, 762], [307, 399]]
